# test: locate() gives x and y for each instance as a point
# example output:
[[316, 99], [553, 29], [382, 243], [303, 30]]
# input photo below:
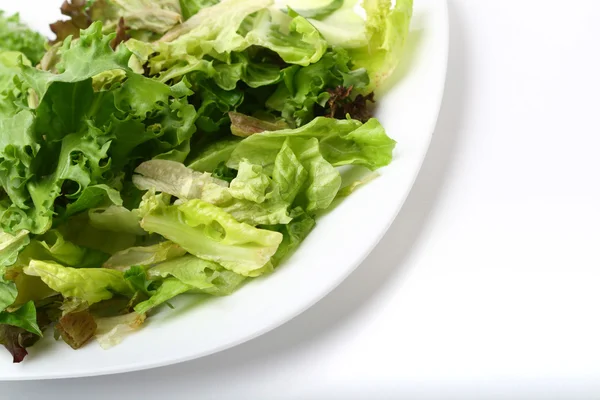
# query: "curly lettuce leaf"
[[88, 284], [67, 157], [74, 65], [16, 36], [303, 92]]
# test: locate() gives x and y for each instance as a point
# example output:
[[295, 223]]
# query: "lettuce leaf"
[[222, 32], [189, 8], [88, 284], [24, 317], [169, 289], [212, 234], [144, 256], [303, 92], [16, 36], [173, 178], [342, 142], [110, 331], [205, 276], [387, 29], [156, 16], [10, 247]]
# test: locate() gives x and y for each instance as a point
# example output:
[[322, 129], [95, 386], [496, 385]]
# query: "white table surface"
[[487, 285]]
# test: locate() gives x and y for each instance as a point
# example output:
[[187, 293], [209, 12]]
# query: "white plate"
[[342, 239]]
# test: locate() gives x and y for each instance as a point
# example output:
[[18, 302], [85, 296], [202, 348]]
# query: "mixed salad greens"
[[161, 147]]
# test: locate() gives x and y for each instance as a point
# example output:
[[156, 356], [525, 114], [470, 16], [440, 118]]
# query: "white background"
[[487, 285]]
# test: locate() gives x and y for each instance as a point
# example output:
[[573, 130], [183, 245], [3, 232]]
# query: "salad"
[[162, 147]]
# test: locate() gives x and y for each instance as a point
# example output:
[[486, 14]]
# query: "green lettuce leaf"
[[79, 231], [52, 246], [293, 234], [8, 293], [204, 276], [92, 45], [115, 219], [137, 278], [91, 285], [189, 8], [213, 155], [15, 36], [341, 142], [68, 157], [303, 92], [169, 289], [387, 28], [250, 184], [24, 317], [212, 234], [11, 246], [222, 32], [144, 256]]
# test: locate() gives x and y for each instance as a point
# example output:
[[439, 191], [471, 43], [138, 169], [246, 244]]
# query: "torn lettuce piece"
[[294, 234], [139, 15], [205, 276], [115, 219], [341, 142], [16, 36], [212, 234], [250, 184], [189, 8], [52, 246], [169, 289], [213, 155], [10, 247], [79, 231], [110, 331], [88, 284], [144, 256], [173, 178], [24, 317]]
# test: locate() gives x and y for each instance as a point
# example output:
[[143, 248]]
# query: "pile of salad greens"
[[162, 147]]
